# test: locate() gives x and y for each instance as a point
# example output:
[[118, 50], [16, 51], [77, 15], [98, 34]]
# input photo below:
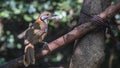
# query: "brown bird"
[[35, 33]]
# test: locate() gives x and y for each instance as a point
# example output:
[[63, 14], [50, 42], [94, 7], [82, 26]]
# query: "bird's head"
[[45, 16]]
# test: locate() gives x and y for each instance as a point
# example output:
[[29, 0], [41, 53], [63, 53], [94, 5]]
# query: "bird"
[[36, 32]]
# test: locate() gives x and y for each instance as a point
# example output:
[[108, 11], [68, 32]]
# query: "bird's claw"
[[45, 46]]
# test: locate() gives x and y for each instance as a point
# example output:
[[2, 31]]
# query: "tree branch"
[[77, 32]]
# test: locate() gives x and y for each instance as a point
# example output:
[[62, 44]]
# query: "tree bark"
[[89, 51]]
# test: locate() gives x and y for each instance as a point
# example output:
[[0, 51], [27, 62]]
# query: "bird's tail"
[[29, 56]]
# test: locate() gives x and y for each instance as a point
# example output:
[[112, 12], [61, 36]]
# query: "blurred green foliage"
[[29, 10], [17, 14]]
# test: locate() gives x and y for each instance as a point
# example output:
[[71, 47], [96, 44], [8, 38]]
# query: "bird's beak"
[[53, 15]]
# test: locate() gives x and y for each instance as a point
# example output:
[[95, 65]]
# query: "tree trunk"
[[89, 51]]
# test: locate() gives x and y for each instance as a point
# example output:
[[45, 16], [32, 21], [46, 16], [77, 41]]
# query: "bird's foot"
[[45, 46]]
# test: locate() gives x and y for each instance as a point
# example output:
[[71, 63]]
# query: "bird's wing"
[[34, 33], [22, 35]]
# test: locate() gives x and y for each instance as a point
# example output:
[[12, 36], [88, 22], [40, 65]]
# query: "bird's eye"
[[47, 14]]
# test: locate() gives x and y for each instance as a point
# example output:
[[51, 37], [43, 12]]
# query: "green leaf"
[[8, 32], [35, 3], [35, 15], [57, 58], [2, 61], [31, 9], [19, 46], [27, 18], [4, 14], [17, 11], [53, 24], [2, 38]]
